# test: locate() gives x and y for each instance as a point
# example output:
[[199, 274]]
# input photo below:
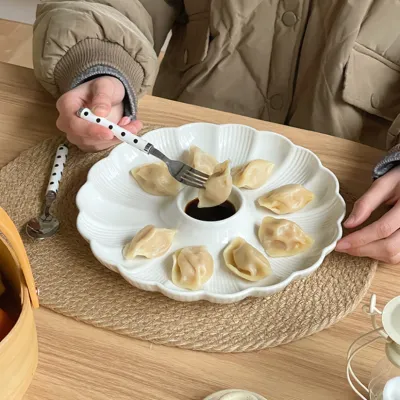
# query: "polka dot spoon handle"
[[58, 167], [120, 133], [46, 224]]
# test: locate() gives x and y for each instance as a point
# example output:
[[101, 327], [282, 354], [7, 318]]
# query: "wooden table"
[[78, 361]]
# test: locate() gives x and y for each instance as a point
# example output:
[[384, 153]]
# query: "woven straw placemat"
[[72, 282]]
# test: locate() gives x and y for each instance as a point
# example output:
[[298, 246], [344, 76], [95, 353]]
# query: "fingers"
[[131, 126], [102, 96], [68, 122], [92, 145], [124, 121], [98, 132], [106, 93], [377, 194], [69, 103], [378, 230], [87, 136], [138, 125], [386, 250], [74, 126], [381, 239], [99, 138]]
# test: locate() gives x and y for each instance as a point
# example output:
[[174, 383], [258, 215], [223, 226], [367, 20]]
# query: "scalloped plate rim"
[[154, 286]]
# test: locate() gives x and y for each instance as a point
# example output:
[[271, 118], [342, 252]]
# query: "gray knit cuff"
[[391, 160], [130, 100]]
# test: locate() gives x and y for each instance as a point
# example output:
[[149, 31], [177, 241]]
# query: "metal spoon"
[[46, 225]]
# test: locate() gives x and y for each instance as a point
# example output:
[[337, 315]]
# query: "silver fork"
[[180, 171]]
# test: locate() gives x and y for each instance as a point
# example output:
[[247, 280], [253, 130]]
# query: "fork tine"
[[199, 173], [195, 181], [191, 183], [200, 177], [194, 178]]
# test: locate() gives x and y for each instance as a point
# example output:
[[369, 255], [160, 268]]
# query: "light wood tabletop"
[[78, 361]]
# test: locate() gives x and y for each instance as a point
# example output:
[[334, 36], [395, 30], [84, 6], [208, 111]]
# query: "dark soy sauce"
[[218, 213]]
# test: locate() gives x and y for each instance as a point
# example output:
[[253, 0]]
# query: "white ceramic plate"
[[113, 208], [235, 394]]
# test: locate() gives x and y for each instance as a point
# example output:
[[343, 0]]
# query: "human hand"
[[381, 239], [104, 96]]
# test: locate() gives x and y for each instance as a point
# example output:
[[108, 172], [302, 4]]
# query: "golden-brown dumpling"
[[201, 161], [217, 188], [253, 174], [286, 199], [283, 238], [155, 179], [192, 268], [246, 261], [149, 242]]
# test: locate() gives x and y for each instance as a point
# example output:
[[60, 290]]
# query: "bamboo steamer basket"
[[19, 349]]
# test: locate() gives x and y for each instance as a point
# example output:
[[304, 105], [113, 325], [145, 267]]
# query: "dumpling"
[[192, 268], [286, 199], [246, 261], [217, 188], [155, 179], [283, 238], [201, 161], [253, 174], [149, 242]]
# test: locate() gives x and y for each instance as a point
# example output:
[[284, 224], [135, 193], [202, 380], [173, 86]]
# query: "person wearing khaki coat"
[[331, 66]]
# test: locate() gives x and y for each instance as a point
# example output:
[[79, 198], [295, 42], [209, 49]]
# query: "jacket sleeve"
[[392, 158], [76, 40]]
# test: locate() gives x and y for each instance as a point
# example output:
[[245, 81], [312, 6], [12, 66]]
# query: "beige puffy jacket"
[[331, 66]]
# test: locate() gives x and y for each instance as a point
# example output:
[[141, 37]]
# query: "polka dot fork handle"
[[57, 170], [120, 133], [182, 172]]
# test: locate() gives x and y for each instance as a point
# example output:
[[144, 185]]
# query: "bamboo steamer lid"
[[10, 232], [19, 348]]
